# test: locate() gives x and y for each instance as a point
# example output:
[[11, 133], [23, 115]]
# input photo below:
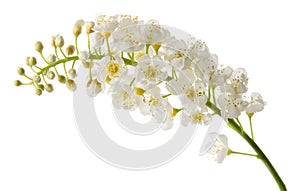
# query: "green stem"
[[58, 62], [43, 57], [250, 121], [147, 48], [62, 52], [167, 95], [65, 70], [43, 77], [260, 154], [214, 97], [89, 44], [132, 81], [90, 70], [27, 77], [241, 153], [73, 58], [76, 45], [108, 48], [209, 95]]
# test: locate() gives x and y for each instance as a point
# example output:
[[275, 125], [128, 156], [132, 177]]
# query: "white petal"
[[221, 155]]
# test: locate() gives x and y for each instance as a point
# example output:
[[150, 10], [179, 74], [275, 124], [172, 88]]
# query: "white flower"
[[123, 97], [190, 92], [217, 147], [154, 34], [205, 65], [220, 76], [84, 56], [150, 70], [127, 37], [107, 69], [197, 117], [238, 81], [158, 107], [105, 26], [96, 41], [256, 104], [231, 105], [94, 87]]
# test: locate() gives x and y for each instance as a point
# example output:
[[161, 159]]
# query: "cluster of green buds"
[[40, 74]]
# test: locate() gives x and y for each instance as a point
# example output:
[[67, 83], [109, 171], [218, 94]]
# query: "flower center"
[[197, 117], [113, 68], [150, 73], [191, 94]]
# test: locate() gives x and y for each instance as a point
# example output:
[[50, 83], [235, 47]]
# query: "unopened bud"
[[36, 79], [21, 71], [17, 83], [50, 75], [41, 86], [38, 46], [61, 79], [139, 91], [53, 41], [30, 61], [156, 47], [59, 41], [78, 27], [72, 73], [51, 58], [49, 88], [38, 92], [70, 50], [90, 27], [71, 85]]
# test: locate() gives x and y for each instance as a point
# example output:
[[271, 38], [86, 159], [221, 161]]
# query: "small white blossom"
[[194, 118], [150, 70], [94, 87], [231, 105], [154, 33], [256, 103], [84, 56], [238, 82], [217, 147]]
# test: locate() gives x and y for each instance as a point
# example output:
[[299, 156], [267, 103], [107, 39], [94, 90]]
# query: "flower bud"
[[90, 27], [59, 41], [72, 73], [70, 50], [36, 79], [71, 85], [41, 86], [38, 92], [156, 47], [30, 61], [51, 58], [50, 75], [49, 88], [53, 41], [38, 46], [61, 79], [17, 83], [139, 91], [78, 27], [21, 71]]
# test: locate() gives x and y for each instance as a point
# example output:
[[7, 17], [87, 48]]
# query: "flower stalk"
[[260, 154]]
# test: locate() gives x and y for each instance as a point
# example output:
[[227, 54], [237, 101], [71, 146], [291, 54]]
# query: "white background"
[[40, 148]]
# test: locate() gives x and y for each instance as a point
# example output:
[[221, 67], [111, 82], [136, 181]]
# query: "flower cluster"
[[140, 64]]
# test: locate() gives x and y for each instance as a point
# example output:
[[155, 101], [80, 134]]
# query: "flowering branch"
[[137, 60], [260, 155]]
